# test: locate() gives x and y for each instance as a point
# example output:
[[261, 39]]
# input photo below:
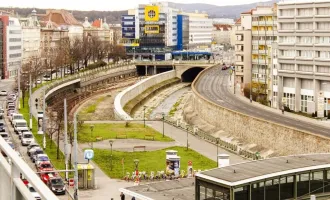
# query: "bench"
[[139, 147], [149, 136], [121, 136]]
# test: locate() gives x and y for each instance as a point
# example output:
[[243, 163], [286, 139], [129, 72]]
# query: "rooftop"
[[262, 169]]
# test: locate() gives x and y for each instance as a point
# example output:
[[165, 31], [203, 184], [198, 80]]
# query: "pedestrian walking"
[[133, 198], [122, 196], [282, 109]]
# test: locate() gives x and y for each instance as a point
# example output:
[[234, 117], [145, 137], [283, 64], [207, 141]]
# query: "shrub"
[[98, 64]]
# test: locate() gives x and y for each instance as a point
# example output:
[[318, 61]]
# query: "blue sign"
[[88, 154]]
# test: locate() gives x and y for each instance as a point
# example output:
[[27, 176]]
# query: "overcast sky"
[[105, 4]]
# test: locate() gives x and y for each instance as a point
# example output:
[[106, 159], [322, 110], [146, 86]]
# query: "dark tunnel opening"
[[191, 74], [141, 69]]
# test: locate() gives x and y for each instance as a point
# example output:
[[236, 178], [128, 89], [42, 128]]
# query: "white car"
[[5, 136], [21, 131], [27, 138], [20, 125], [41, 158], [15, 116], [46, 78], [34, 193], [38, 81], [3, 93]]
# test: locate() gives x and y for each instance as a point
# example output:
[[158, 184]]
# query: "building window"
[[287, 12], [15, 39], [287, 39], [323, 69], [274, 102], [323, 54], [289, 100], [305, 68], [323, 25], [305, 40], [306, 54], [303, 102], [323, 11], [15, 47], [15, 55], [287, 26], [323, 40], [288, 53], [305, 12], [275, 80], [305, 26], [15, 32], [289, 67]]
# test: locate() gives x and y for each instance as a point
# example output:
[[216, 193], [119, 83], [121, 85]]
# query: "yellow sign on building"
[[151, 29], [151, 13]]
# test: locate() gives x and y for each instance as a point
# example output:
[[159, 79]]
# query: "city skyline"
[[100, 5]]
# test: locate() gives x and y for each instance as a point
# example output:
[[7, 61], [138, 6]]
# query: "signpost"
[[88, 154]]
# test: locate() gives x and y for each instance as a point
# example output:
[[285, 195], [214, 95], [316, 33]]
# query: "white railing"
[[11, 185]]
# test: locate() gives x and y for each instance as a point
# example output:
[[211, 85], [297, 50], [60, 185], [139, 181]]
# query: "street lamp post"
[[136, 162], [217, 141], [163, 124], [144, 116], [92, 128], [111, 142]]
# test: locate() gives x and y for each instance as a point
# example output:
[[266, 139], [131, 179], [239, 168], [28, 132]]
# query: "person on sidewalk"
[[122, 196], [133, 198], [282, 109]]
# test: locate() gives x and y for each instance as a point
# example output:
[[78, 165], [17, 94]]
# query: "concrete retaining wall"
[[281, 139], [131, 92]]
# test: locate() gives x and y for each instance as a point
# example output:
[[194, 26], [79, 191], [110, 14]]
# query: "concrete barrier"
[[280, 139], [131, 92]]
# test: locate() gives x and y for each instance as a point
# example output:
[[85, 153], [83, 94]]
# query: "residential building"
[[11, 43], [222, 34], [115, 33], [304, 55], [65, 20], [243, 50], [31, 36], [264, 33], [99, 28]]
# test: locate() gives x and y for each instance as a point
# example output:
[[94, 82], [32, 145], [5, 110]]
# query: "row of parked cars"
[[34, 151]]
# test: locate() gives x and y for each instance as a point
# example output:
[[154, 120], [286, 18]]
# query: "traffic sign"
[[189, 163], [88, 154], [71, 182]]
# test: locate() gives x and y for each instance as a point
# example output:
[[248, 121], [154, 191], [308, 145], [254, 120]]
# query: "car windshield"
[[43, 158], [19, 117], [46, 166], [57, 181], [4, 135], [22, 124], [28, 136], [39, 152], [32, 189]]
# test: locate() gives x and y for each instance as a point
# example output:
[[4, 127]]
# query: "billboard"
[[151, 13], [151, 29]]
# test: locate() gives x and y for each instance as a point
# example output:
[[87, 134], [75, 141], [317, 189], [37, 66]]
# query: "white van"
[[15, 117], [27, 138], [19, 125]]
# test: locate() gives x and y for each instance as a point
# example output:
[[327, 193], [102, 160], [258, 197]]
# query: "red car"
[[45, 166], [46, 176]]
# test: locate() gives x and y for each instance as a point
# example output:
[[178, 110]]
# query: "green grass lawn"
[[148, 161], [92, 108], [109, 131], [51, 147]]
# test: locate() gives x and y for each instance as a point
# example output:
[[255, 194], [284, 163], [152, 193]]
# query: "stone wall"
[[267, 135], [130, 93]]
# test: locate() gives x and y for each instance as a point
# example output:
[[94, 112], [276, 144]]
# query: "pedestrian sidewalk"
[[241, 97]]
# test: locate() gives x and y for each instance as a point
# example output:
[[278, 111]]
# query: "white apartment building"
[[14, 47], [243, 57], [222, 34], [200, 32], [304, 56], [31, 36], [171, 15]]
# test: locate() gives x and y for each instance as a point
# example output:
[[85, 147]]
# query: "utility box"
[[172, 163], [86, 176]]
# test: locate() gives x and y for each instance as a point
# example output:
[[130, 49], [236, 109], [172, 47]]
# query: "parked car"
[[3, 93], [34, 193], [56, 184], [32, 150], [45, 166], [38, 81], [46, 175], [31, 145], [20, 125], [27, 138], [46, 78], [9, 112], [35, 154], [2, 112], [11, 106], [21, 131], [2, 126], [14, 117], [5, 136], [41, 158]]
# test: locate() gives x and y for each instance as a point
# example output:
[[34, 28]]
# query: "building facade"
[[200, 32], [264, 33], [303, 56], [31, 36], [222, 34]]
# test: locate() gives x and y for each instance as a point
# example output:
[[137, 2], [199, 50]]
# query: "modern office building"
[[264, 33], [200, 32], [222, 34], [31, 36], [11, 46], [243, 57], [304, 55], [288, 177]]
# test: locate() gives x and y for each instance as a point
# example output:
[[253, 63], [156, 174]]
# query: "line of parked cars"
[[42, 162]]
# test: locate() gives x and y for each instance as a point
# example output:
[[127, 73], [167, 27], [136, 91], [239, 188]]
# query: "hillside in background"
[[111, 16], [114, 16]]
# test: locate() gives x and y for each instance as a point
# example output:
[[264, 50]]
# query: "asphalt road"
[[214, 86]]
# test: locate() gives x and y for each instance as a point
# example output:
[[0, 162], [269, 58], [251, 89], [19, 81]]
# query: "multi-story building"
[[200, 32], [99, 28], [243, 57], [221, 34], [31, 36], [304, 55], [264, 33], [11, 43], [115, 33]]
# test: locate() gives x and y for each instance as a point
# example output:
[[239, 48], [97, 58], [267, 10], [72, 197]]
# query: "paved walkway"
[[201, 146]]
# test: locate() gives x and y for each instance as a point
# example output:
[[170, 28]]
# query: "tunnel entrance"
[[141, 69], [191, 74]]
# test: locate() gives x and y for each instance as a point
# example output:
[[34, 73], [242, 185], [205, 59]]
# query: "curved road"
[[213, 86]]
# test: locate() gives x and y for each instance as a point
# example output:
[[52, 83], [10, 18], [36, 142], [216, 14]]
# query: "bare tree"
[[86, 50]]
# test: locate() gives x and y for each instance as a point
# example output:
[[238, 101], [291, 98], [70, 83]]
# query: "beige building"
[[304, 56], [242, 30], [222, 34], [100, 29], [264, 33]]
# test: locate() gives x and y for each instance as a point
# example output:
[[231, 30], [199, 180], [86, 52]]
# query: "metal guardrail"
[[173, 62], [11, 169]]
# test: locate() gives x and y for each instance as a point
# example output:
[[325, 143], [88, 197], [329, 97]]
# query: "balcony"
[[239, 42], [286, 43], [286, 57], [322, 59], [263, 23], [259, 51], [259, 61], [264, 32]]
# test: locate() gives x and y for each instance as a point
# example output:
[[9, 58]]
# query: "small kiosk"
[[86, 176], [172, 163]]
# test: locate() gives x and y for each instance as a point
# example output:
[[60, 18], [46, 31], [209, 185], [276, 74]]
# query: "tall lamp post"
[[217, 142], [187, 127], [92, 128], [163, 123], [111, 142], [144, 116]]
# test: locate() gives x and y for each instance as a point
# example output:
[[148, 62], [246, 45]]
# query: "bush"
[[98, 64]]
